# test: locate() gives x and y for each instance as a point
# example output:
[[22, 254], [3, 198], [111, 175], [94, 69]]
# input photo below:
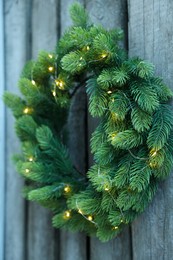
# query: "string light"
[[31, 159], [109, 92], [112, 99], [88, 47], [27, 170], [113, 135], [153, 153], [103, 55], [50, 69], [153, 165], [26, 110], [54, 93], [90, 218], [50, 56], [122, 221], [33, 82], [115, 228], [81, 58], [67, 189], [67, 214], [106, 189], [59, 84], [80, 211]]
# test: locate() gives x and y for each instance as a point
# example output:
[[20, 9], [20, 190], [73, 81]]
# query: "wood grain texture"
[[151, 38], [73, 246], [42, 241], [15, 57], [2, 133], [110, 14]]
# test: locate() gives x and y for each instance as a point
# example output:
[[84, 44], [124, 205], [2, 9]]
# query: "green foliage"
[[97, 98], [119, 105], [140, 90], [126, 139], [132, 145], [79, 15], [141, 120], [15, 103], [161, 127]]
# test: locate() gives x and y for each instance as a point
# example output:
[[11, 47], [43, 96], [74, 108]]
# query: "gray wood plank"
[[2, 133], [42, 241], [151, 37], [15, 57], [73, 246], [110, 14]]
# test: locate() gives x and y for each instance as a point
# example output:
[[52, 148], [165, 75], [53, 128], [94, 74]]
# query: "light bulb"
[[67, 214], [59, 84], [67, 189], [153, 153], [90, 218], [50, 56], [33, 82], [80, 211], [81, 58], [115, 228], [27, 170], [88, 47], [106, 189], [54, 93], [50, 69], [31, 159], [109, 92], [103, 55], [26, 110]]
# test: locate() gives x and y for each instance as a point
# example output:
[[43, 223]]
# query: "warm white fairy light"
[[31, 159], [60, 84], [106, 188], [109, 92], [50, 56], [104, 55], [153, 153], [27, 170], [88, 47], [80, 211], [81, 58], [67, 214], [50, 69], [26, 110], [54, 93], [115, 228], [90, 218], [67, 189], [33, 82]]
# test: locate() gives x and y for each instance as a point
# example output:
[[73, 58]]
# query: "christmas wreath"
[[132, 145]]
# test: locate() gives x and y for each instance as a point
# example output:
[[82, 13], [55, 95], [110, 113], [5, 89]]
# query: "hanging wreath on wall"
[[132, 145]]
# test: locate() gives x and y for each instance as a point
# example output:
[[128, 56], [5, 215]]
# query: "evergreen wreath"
[[132, 145]]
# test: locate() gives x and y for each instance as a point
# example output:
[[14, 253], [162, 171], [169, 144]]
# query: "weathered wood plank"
[[41, 236], [151, 37], [73, 246], [2, 133], [110, 14], [15, 57]]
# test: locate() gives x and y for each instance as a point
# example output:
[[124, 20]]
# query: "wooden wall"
[[37, 24]]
